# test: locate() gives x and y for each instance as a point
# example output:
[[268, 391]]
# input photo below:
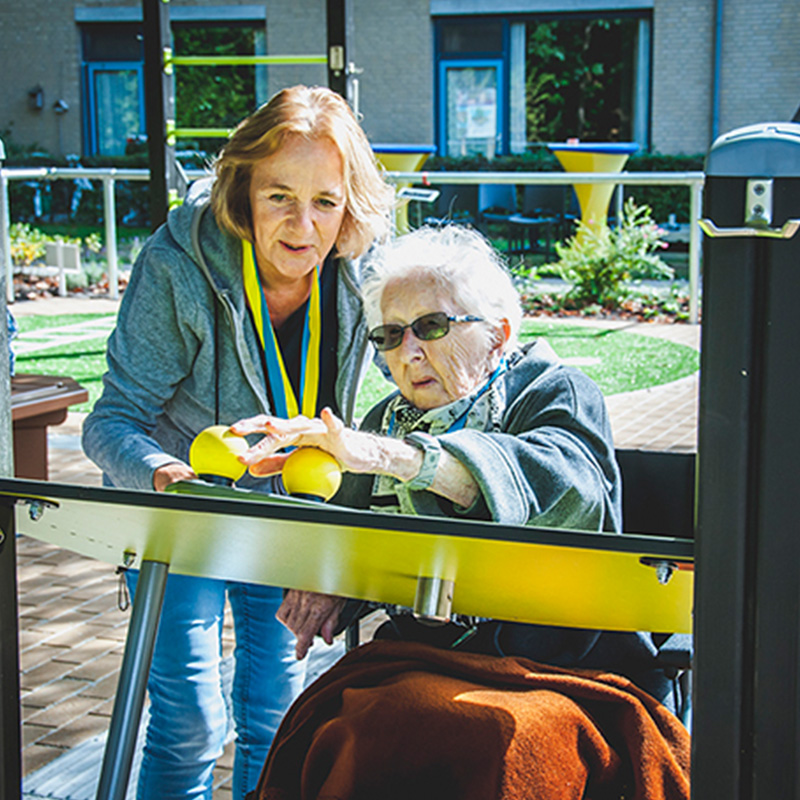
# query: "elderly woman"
[[247, 301], [479, 428]]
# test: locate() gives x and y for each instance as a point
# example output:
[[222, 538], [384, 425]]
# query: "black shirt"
[[290, 341]]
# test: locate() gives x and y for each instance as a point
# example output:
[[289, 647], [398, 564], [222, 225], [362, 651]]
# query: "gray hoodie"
[[168, 371]]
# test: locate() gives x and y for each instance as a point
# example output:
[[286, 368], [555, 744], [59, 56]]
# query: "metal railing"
[[109, 175], [694, 181]]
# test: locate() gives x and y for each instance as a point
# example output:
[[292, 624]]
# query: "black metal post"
[[337, 47], [10, 741], [746, 730], [135, 669], [159, 107]]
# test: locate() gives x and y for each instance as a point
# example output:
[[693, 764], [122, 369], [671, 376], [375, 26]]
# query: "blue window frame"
[[114, 107], [471, 107]]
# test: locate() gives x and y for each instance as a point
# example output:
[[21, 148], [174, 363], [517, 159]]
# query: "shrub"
[[27, 244], [598, 261]]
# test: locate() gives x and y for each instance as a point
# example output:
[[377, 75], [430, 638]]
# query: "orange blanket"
[[405, 720]]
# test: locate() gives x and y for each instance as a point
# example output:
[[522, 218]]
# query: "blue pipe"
[[715, 97]]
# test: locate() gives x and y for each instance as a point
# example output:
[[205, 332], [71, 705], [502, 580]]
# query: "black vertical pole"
[[10, 741], [746, 729], [337, 48], [159, 107]]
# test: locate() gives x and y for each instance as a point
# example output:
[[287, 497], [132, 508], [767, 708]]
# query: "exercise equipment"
[[746, 730], [311, 472], [213, 454]]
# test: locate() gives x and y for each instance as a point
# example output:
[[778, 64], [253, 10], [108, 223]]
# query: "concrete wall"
[[393, 43], [40, 46], [758, 79], [760, 62], [682, 64], [296, 27]]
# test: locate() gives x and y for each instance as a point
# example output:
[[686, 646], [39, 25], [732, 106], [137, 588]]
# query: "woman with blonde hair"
[[245, 302]]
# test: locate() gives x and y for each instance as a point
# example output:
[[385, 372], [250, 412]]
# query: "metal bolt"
[[36, 510], [664, 570], [759, 189]]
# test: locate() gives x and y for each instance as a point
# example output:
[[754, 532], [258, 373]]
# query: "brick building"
[[445, 72]]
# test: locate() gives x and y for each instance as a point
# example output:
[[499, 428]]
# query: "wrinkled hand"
[[354, 451], [307, 614]]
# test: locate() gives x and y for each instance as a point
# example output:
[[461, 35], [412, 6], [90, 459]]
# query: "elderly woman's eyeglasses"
[[427, 327]]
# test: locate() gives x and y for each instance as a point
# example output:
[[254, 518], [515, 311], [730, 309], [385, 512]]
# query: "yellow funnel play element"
[[312, 473], [402, 158], [594, 157], [214, 452]]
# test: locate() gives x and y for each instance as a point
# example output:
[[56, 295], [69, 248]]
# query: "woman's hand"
[[307, 614], [355, 451], [172, 473]]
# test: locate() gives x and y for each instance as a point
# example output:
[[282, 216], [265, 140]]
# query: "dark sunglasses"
[[427, 327]]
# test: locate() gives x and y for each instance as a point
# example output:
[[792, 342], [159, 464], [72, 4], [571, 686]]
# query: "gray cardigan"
[[163, 373]]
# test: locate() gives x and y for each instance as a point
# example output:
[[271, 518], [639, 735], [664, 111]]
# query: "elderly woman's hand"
[[307, 614], [355, 452]]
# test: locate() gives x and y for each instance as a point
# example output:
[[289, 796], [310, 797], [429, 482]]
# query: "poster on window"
[[481, 120], [471, 110]]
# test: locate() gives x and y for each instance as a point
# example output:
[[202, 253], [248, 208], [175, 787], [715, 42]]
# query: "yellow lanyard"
[[283, 396]]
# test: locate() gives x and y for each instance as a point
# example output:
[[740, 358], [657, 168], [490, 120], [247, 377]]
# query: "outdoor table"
[[402, 158], [38, 401], [593, 157], [436, 565]]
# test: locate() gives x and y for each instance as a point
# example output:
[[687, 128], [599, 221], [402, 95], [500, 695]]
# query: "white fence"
[[694, 182]]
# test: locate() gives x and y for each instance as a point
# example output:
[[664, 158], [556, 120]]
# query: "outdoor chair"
[[497, 203], [542, 220], [658, 491], [455, 204]]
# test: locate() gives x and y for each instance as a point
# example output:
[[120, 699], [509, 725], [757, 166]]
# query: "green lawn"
[[618, 361]]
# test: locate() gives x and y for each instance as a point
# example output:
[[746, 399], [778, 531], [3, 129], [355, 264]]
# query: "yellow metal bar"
[[238, 61], [201, 133]]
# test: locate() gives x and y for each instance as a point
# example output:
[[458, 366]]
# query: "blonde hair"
[[313, 113], [461, 262]]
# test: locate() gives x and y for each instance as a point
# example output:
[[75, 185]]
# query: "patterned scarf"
[[480, 410]]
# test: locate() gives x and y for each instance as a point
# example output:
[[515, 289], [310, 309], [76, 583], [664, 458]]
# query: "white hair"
[[460, 261]]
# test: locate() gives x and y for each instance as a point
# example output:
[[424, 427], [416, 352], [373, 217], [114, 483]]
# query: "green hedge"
[[663, 200]]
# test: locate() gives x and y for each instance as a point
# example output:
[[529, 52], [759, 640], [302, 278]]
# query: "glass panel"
[[118, 42], [213, 97], [580, 79], [472, 113], [472, 37], [117, 109]]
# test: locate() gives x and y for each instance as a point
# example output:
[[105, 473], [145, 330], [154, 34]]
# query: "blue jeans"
[[188, 716]]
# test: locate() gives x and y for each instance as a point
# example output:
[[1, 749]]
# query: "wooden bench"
[[38, 401]]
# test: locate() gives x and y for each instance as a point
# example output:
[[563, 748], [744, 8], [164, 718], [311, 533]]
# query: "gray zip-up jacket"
[[166, 376], [552, 464]]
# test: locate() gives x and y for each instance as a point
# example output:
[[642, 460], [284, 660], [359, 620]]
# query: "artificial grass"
[[619, 361], [84, 361]]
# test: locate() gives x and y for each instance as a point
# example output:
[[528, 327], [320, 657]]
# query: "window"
[[472, 114], [509, 84], [113, 87], [216, 97], [205, 97], [579, 76], [115, 91]]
